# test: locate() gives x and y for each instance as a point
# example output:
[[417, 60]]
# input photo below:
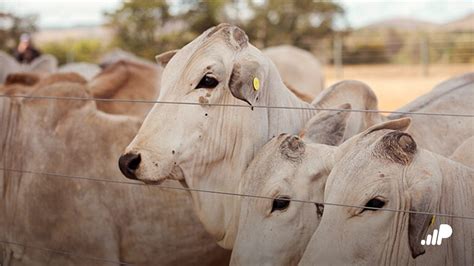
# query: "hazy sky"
[[66, 13]]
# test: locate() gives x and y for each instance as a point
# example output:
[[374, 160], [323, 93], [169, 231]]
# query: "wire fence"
[[424, 50], [224, 193], [238, 105], [67, 253]]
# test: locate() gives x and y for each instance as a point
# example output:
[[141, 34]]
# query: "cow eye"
[[374, 204], [280, 203], [207, 82]]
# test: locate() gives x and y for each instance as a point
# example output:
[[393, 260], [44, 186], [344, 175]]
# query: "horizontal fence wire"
[[70, 254], [108, 180], [67, 98]]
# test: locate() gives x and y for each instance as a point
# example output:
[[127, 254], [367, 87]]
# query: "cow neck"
[[282, 120], [456, 180], [455, 198], [219, 213]]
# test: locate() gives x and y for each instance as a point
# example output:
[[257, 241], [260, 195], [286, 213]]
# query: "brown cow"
[[86, 218], [127, 79]]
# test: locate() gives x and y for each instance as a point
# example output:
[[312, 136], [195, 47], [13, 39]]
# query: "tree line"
[[147, 27]]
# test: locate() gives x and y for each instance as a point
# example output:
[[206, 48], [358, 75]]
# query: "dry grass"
[[396, 85]]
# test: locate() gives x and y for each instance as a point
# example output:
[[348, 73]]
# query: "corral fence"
[[417, 49], [341, 50]]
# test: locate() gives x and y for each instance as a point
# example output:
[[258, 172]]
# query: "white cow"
[[199, 144], [465, 153], [87, 70], [278, 237], [298, 68], [383, 168], [276, 232]]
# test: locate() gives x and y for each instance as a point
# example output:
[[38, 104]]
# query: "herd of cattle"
[[244, 147]]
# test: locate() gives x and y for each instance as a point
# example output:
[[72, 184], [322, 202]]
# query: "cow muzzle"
[[129, 164]]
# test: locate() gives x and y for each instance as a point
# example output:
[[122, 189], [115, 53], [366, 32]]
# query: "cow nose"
[[129, 163]]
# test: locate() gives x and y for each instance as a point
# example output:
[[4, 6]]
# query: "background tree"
[[11, 27], [201, 15], [137, 25], [149, 27], [298, 23]]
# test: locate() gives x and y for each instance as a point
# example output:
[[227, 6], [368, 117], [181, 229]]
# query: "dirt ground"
[[396, 85]]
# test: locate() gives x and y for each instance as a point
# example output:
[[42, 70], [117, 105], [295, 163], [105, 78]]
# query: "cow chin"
[[154, 178]]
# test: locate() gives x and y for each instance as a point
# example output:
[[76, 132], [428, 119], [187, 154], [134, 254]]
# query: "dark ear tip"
[[418, 252], [407, 143], [292, 147], [294, 142]]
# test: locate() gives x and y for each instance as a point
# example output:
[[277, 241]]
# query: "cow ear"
[[327, 127], [418, 223], [246, 81], [401, 124], [163, 58]]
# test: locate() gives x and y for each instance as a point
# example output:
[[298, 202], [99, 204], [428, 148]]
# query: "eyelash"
[[374, 204], [281, 203], [207, 82]]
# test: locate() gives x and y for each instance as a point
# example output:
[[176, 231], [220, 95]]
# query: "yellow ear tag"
[[432, 220], [256, 84]]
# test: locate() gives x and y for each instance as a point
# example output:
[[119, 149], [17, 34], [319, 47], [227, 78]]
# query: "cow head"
[[288, 167], [379, 168], [199, 141]]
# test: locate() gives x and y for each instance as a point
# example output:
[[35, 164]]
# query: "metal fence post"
[[337, 56], [424, 55]]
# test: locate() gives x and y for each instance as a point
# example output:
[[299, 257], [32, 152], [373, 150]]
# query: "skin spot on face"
[[205, 114], [381, 175], [203, 100], [319, 209], [173, 152], [208, 94]]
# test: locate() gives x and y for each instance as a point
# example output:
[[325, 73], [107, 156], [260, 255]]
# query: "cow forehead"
[[362, 167], [195, 57], [233, 36], [268, 166], [224, 38]]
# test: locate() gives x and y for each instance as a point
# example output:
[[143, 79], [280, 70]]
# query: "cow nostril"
[[129, 163], [135, 162]]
